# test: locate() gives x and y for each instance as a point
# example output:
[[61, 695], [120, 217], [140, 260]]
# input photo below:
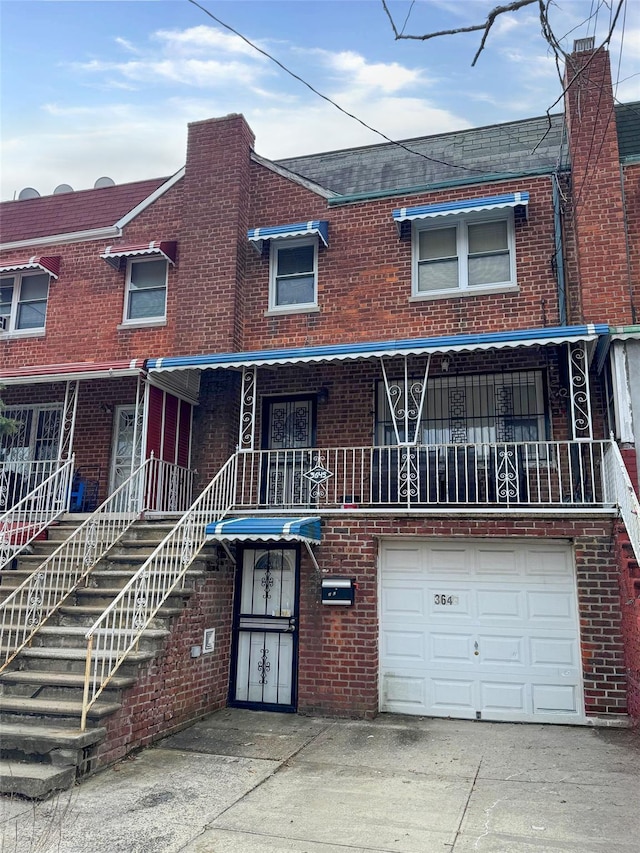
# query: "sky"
[[99, 88]]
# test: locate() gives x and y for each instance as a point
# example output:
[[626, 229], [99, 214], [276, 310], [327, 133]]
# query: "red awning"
[[113, 255], [71, 371], [46, 263]]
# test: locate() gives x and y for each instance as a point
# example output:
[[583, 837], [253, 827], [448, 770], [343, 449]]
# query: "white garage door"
[[480, 630]]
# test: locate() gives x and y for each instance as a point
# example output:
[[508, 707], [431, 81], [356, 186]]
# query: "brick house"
[[394, 371]]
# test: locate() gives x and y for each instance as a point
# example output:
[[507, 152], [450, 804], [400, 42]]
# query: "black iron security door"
[[265, 636], [288, 434]]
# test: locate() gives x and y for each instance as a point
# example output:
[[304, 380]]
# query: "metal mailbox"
[[337, 590]]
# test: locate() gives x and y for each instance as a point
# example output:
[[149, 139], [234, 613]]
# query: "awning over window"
[[257, 236], [378, 349], [114, 255], [470, 205], [265, 529], [71, 371], [45, 263]]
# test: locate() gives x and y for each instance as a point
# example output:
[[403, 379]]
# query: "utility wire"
[[330, 101]]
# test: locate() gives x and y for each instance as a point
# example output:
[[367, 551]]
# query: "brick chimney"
[[213, 241], [597, 194]]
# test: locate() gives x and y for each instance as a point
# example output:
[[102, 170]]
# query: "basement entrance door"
[[265, 635]]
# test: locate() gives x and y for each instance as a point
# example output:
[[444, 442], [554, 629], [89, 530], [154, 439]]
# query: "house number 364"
[[443, 598]]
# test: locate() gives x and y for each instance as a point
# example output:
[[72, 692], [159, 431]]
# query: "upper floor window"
[[294, 274], [146, 290], [23, 301], [470, 255]]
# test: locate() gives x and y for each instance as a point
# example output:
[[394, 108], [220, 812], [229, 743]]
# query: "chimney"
[[597, 193], [213, 242]]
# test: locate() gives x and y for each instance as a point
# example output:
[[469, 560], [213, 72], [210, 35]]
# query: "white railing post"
[[623, 493]]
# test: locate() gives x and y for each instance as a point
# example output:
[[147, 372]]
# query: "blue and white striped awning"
[[513, 338], [319, 227], [261, 529], [469, 205]]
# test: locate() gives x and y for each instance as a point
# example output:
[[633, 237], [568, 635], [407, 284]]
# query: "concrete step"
[[44, 678], [92, 611], [36, 739], [33, 779], [74, 655], [24, 706]]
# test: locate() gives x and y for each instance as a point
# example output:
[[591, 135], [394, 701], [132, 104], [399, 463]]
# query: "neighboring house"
[[413, 355]]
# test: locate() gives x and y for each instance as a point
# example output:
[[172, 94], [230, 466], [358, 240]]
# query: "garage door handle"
[[475, 646]]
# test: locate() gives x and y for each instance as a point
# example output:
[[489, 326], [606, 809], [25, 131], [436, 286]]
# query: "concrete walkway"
[[248, 782]]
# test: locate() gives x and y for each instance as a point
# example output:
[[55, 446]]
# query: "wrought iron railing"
[[19, 478], [620, 485], [39, 596], [170, 488], [120, 627], [510, 474], [25, 519]]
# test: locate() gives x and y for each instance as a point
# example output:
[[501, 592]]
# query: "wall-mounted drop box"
[[337, 590]]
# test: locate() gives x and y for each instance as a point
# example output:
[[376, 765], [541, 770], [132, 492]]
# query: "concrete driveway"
[[249, 782]]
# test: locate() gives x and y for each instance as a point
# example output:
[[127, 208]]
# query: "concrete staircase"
[[41, 746]]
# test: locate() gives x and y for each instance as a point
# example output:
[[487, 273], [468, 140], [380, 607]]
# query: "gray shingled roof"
[[530, 146], [628, 126]]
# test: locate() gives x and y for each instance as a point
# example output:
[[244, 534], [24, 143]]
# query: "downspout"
[[558, 257]]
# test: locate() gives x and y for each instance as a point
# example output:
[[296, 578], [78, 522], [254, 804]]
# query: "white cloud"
[[204, 39], [354, 70]]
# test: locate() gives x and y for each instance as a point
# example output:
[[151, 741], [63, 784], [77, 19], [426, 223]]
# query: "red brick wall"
[[631, 177], [175, 688], [630, 609], [339, 650], [597, 203], [364, 276]]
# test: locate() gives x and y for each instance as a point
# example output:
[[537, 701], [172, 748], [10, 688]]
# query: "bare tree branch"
[[486, 26]]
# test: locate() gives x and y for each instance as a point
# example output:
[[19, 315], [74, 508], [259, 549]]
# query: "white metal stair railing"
[[117, 631], [39, 596], [621, 488], [27, 518]]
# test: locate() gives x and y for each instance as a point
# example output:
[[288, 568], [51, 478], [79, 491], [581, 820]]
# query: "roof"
[[517, 147], [628, 127], [529, 146], [70, 212]]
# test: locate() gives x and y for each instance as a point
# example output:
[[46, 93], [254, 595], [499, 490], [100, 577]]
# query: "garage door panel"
[[450, 647], [498, 562], [551, 605], [404, 648], [405, 559], [548, 562], [405, 693], [554, 651], [506, 697], [489, 631], [555, 698], [502, 651], [497, 603], [453, 694], [451, 561], [406, 601]]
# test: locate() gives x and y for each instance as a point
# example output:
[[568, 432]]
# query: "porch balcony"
[[552, 475]]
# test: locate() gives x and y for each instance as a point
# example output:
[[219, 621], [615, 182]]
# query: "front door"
[[265, 636], [124, 429], [289, 433]]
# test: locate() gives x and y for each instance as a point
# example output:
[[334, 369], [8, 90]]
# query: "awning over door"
[[378, 349], [265, 529], [71, 371]]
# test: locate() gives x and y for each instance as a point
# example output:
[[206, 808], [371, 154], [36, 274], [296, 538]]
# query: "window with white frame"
[[23, 301], [293, 274], [146, 290], [467, 254]]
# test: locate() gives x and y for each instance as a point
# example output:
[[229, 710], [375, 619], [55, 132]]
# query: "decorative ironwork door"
[[289, 433], [265, 638], [123, 445]]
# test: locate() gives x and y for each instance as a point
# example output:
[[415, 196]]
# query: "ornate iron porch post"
[[579, 391], [246, 437], [68, 425], [139, 424]]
